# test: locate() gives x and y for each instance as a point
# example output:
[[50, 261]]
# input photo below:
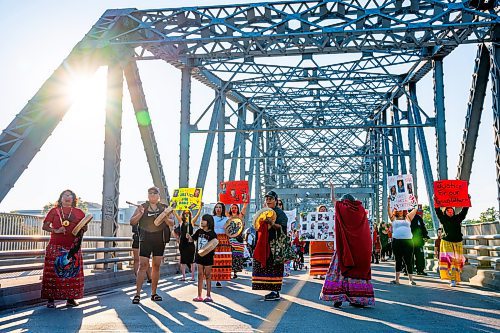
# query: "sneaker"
[[422, 273], [272, 296], [337, 305], [412, 283], [453, 284], [218, 285], [149, 281]]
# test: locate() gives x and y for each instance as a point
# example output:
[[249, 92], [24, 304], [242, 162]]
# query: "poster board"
[[451, 193], [292, 220], [318, 226], [234, 192], [186, 198], [401, 195]]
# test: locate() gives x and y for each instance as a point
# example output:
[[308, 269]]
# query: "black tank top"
[[146, 222]]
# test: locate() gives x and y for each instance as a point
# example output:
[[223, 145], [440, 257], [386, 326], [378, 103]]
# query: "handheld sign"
[[186, 198], [401, 196], [451, 193], [234, 192]]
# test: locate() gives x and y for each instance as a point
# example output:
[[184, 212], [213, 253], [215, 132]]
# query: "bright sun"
[[88, 94]]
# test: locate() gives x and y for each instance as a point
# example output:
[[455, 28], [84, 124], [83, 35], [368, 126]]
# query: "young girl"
[[202, 237]]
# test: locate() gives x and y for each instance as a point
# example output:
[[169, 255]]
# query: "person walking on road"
[[349, 275], [402, 242], [451, 256], [420, 236], [186, 246], [266, 274], [153, 239]]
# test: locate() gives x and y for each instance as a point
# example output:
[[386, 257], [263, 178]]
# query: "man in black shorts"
[[152, 239], [135, 251]]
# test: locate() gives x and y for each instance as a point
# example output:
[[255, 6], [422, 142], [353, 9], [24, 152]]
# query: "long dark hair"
[[75, 199], [223, 209], [210, 221]]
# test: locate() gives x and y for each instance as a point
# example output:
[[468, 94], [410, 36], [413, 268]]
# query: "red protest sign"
[[451, 193], [234, 192]]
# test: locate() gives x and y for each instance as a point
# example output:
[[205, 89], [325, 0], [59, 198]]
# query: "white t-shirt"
[[401, 229], [219, 223]]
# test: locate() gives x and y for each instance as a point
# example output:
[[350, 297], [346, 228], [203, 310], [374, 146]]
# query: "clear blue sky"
[[38, 35]]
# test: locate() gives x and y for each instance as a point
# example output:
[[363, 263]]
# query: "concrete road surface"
[[431, 306]]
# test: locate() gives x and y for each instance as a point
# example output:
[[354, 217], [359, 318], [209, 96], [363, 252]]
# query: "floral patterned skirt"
[[338, 288], [62, 278]]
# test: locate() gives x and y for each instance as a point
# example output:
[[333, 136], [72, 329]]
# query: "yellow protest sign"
[[186, 198]]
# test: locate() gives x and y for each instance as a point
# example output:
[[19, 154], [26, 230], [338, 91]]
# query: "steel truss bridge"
[[311, 92]]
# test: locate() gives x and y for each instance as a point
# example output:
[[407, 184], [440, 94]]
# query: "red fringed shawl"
[[353, 239]]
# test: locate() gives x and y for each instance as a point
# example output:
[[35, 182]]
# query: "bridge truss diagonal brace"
[[138, 99], [474, 112], [424, 153], [209, 143], [495, 78], [442, 157], [112, 155]]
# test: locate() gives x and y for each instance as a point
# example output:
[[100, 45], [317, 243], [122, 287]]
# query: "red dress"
[[63, 276]]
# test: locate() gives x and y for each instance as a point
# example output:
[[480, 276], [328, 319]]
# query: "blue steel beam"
[[474, 111], [144, 123], [412, 158], [237, 31], [424, 153], [442, 157], [209, 143], [494, 49], [185, 127]]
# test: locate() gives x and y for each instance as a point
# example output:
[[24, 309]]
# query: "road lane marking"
[[273, 319]]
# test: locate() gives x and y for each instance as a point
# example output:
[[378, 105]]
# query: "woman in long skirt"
[[266, 274], [63, 268], [349, 275], [451, 253], [223, 259], [237, 243]]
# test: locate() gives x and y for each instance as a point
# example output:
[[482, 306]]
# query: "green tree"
[[489, 215], [427, 217]]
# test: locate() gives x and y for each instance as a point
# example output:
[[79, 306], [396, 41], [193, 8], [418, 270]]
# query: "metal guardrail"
[[32, 259], [481, 252]]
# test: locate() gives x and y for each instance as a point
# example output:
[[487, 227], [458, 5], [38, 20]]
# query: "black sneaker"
[[272, 296], [218, 285], [149, 281], [422, 273]]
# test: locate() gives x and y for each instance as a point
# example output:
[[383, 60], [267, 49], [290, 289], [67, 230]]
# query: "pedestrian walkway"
[[428, 307]]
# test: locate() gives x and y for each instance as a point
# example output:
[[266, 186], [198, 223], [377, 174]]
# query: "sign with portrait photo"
[[318, 226], [234, 192], [401, 196], [186, 198], [292, 219]]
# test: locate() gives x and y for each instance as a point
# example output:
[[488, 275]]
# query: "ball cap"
[[154, 189], [272, 194]]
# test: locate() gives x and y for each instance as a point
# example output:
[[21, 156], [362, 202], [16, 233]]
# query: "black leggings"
[[403, 252]]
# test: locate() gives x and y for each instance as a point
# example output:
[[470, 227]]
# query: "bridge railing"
[[93, 251], [482, 251]]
